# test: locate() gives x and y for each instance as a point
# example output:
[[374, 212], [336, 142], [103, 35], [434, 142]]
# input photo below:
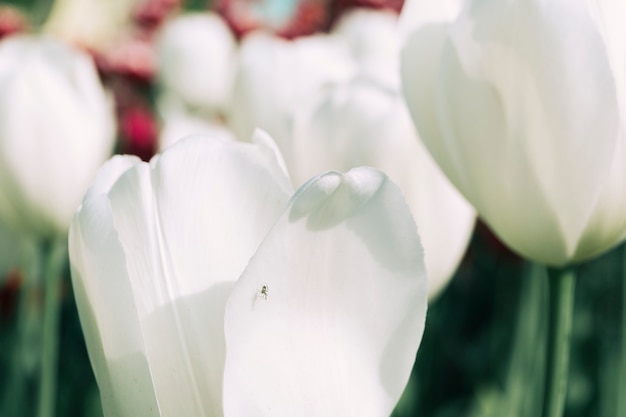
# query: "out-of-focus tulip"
[[93, 24], [56, 129], [195, 61], [276, 76], [374, 43], [522, 104], [363, 123], [324, 319]]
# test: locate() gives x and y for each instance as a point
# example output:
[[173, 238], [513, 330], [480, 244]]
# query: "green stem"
[[524, 383], [621, 399], [40, 11], [26, 328], [49, 352], [561, 283]]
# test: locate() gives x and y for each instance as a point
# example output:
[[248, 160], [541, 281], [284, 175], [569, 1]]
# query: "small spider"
[[264, 292]]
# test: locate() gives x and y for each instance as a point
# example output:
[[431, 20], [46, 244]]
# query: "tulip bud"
[[522, 104], [374, 43], [57, 128], [92, 24], [195, 55]]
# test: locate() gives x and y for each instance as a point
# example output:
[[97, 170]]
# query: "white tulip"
[[89, 23], [56, 128], [522, 104], [364, 123], [374, 43], [204, 290], [195, 61], [275, 76]]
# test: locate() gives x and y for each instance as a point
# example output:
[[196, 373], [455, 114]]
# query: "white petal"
[[362, 123], [188, 227], [338, 330], [108, 314], [109, 173], [274, 76], [176, 234], [196, 56], [374, 43], [607, 225]]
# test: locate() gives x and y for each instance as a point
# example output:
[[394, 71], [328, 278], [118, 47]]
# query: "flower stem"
[[621, 399], [26, 332], [49, 353], [561, 284], [524, 383]]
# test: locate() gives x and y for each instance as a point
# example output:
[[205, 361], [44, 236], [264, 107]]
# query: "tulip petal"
[[338, 327], [274, 76], [109, 319], [362, 123], [188, 224]]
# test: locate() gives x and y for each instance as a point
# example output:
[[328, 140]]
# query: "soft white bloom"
[[204, 290], [276, 76], [89, 23], [363, 123], [195, 61], [56, 129], [374, 43], [522, 105]]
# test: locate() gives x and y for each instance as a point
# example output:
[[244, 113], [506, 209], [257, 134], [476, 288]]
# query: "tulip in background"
[[92, 24], [373, 41], [275, 76], [196, 55], [362, 122], [56, 128], [203, 289], [522, 105]]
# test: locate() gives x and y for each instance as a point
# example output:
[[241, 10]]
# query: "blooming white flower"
[[522, 104], [204, 290], [195, 61], [57, 128]]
